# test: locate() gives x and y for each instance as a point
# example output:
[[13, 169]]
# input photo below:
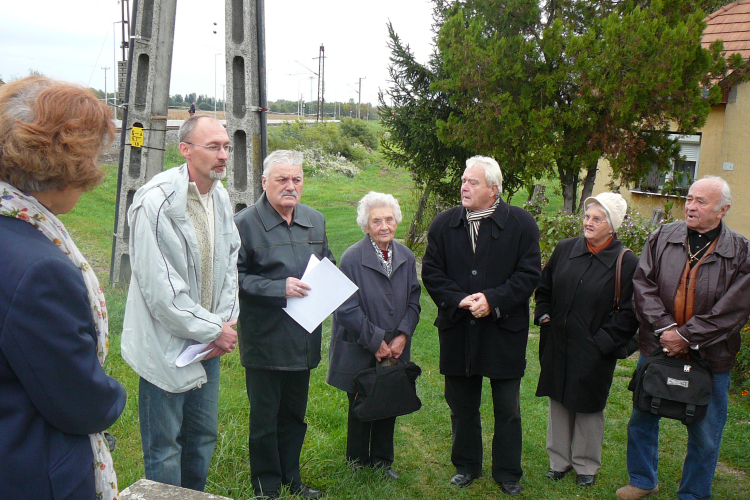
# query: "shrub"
[[741, 370], [556, 226], [328, 137], [359, 130], [319, 163]]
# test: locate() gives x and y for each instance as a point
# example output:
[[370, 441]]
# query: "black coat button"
[[472, 322]]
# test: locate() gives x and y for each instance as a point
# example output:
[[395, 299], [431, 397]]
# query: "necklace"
[[694, 257]]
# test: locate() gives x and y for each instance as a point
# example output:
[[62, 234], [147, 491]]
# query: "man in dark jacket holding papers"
[[279, 234]]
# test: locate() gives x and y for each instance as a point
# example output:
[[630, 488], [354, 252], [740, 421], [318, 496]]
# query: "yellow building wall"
[[724, 139]]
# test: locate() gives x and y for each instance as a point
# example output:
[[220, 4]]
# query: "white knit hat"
[[613, 204]]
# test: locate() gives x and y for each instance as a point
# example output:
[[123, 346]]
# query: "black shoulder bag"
[[673, 388], [386, 391]]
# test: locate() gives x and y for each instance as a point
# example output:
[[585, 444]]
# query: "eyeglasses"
[[594, 220], [214, 148]]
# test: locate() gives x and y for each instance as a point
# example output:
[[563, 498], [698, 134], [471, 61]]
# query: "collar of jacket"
[[607, 256], [174, 184], [724, 247], [370, 259], [500, 215], [271, 218]]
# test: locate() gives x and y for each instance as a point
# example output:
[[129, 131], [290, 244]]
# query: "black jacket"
[[271, 252], [579, 347], [506, 268]]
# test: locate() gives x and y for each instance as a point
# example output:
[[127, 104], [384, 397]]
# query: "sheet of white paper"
[[191, 354], [329, 289], [314, 261]]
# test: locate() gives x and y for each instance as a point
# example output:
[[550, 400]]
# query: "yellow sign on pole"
[[136, 137]]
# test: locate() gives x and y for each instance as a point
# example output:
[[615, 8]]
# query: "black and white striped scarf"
[[475, 217]]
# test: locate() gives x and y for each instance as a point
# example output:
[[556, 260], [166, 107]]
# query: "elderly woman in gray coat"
[[376, 323]]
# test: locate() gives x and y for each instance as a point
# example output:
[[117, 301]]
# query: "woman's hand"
[[397, 345], [383, 352]]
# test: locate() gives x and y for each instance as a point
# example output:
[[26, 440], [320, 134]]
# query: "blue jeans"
[[178, 430], [704, 441]]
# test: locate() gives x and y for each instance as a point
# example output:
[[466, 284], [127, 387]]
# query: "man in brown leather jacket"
[[692, 291]]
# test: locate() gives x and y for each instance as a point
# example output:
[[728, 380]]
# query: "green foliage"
[[741, 370], [360, 130], [410, 116], [328, 137], [172, 157], [551, 87], [556, 226]]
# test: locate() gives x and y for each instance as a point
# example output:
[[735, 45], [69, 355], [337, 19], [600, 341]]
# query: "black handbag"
[[673, 388], [386, 391]]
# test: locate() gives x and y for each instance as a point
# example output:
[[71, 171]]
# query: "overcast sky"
[[73, 40]]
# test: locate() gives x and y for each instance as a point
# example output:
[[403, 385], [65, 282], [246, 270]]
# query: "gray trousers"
[[574, 439]]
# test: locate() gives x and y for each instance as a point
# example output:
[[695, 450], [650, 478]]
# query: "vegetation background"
[[423, 439]]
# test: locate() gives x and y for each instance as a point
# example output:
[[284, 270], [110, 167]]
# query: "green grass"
[[423, 439]]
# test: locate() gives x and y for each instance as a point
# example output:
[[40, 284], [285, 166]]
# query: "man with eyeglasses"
[[279, 234], [183, 291]]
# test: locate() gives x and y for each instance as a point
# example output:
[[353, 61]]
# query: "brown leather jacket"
[[722, 293]]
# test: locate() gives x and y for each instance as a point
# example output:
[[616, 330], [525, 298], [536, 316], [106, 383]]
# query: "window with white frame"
[[678, 179]]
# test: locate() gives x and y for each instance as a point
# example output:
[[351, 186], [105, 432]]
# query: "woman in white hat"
[[582, 334]]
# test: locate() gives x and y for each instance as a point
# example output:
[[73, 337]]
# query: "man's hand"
[[227, 338], [672, 343], [466, 303], [397, 345], [383, 352], [214, 353], [479, 306], [296, 288]]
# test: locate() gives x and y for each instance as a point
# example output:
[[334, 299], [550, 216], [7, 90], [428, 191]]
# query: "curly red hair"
[[51, 135]]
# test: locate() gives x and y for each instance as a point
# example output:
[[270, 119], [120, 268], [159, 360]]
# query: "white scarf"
[[13, 203]]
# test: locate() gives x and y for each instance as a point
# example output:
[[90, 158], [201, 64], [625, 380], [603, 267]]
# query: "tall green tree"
[[556, 85], [409, 110], [549, 87]]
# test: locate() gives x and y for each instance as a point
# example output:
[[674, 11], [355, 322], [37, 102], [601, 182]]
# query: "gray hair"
[[21, 106], [374, 200], [188, 126], [602, 210], [281, 157], [726, 194], [492, 173]]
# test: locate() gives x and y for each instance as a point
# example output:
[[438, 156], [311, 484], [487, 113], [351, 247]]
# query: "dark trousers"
[[369, 443], [278, 402], [464, 395]]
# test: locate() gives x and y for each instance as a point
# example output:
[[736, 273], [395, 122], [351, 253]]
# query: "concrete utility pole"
[[106, 96], [321, 83], [147, 98], [359, 94]]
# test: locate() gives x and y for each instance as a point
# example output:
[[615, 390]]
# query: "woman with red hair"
[[55, 399]]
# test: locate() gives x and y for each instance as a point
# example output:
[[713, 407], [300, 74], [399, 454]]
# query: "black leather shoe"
[[585, 480], [511, 488], [557, 475], [390, 474], [462, 480], [305, 491]]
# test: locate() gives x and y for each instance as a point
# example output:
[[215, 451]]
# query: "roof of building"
[[731, 24]]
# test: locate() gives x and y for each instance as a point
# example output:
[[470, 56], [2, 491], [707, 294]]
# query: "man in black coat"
[[481, 265], [279, 234]]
